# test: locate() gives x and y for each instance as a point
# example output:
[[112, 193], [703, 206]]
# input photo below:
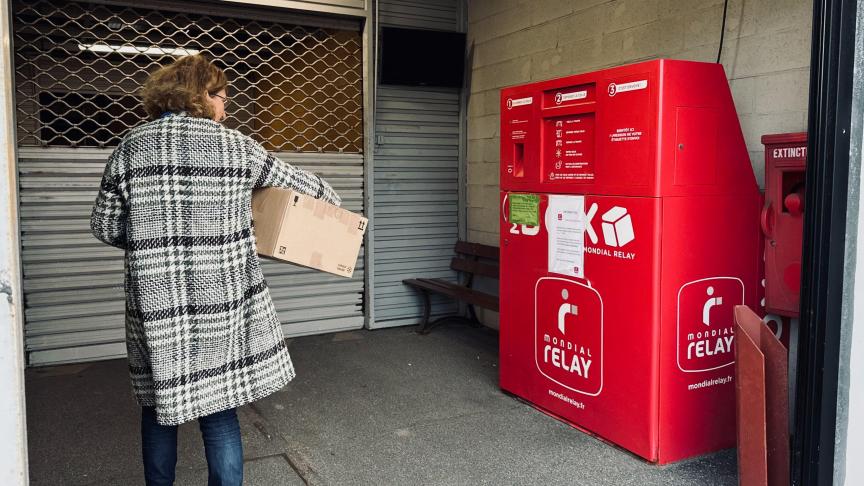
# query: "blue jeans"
[[222, 446]]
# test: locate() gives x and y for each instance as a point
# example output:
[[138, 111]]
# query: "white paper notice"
[[565, 222]]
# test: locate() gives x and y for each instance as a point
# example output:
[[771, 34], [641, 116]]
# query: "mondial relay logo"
[[705, 323], [617, 227], [569, 334]]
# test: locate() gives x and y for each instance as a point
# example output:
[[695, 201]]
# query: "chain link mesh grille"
[[79, 66]]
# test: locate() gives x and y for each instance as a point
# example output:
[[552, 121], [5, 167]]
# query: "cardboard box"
[[297, 228]]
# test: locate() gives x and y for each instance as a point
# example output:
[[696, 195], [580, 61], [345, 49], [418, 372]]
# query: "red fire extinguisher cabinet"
[[616, 303], [782, 220]]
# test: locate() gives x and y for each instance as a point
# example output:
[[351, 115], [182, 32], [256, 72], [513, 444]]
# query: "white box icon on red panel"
[[617, 227]]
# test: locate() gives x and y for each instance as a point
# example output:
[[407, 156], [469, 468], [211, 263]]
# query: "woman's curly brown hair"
[[181, 86]]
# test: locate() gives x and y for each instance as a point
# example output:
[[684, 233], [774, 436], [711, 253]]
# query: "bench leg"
[[427, 311], [475, 322], [472, 320], [426, 326]]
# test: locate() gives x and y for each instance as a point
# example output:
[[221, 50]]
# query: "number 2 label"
[[525, 230]]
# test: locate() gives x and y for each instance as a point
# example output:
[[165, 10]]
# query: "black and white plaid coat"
[[202, 334]]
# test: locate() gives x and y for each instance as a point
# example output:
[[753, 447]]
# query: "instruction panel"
[[569, 148]]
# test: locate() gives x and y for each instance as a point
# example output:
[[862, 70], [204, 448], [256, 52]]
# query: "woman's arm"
[[108, 218], [276, 173]]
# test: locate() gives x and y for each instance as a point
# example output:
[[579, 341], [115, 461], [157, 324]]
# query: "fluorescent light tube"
[[130, 49]]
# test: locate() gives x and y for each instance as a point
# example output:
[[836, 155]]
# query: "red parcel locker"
[[629, 231]]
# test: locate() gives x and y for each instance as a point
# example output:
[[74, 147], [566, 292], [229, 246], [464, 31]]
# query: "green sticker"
[[524, 209]]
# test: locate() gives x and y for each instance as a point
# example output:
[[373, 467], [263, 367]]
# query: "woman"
[[202, 334]]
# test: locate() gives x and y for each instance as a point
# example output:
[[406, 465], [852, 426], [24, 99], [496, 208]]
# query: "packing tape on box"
[[352, 222], [316, 260], [353, 229], [308, 203], [343, 217], [317, 207], [320, 210]]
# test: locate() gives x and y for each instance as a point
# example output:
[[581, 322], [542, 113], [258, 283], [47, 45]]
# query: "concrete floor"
[[367, 408]]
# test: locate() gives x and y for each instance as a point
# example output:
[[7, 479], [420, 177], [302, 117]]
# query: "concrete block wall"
[[766, 54]]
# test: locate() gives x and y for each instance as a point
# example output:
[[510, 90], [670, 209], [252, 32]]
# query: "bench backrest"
[[468, 256], [477, 250], [476, 268]]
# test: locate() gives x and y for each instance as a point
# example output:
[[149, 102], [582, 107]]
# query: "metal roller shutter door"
[[424, 14], [73, 284], [416, 175]]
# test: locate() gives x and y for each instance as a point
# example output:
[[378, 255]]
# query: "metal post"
[[464, 94], [370, 57], [849, 436], [13, 448], [824, 257]]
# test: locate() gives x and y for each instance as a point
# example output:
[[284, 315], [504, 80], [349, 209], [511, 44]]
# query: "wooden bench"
[[468, 263]]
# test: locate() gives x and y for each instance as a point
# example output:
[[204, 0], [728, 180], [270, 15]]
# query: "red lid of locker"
[[657, 128]]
